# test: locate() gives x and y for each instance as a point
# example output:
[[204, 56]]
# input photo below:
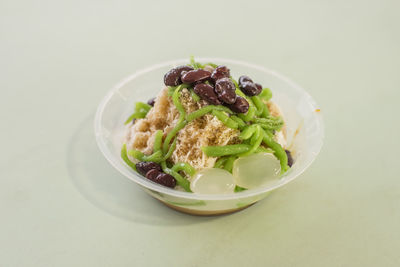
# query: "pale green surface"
[[62, 204]]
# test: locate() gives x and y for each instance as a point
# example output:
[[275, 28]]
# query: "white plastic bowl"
[[302, 117]]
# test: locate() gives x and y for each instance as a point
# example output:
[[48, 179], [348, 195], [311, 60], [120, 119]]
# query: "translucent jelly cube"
[[212, 181], [256, 170]]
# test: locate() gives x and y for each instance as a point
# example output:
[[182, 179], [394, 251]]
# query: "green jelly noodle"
[[256, 132]]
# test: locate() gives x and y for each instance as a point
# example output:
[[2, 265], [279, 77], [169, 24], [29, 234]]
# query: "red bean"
[[225, 90], [161, 178], [220, 72], [151, 101], [206, 92], [173, 77], [249, 88], [143, 167], [259, 86], [152, 174], [166, 180], [289, 158], [193, 76], [240, 106], [244, 78]]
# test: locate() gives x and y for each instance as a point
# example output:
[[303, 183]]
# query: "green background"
[[62, 204]]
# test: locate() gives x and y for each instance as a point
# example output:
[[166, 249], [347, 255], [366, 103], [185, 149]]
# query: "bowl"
[[304, 132]]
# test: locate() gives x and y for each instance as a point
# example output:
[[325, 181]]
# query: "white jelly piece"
[[256, 170], [213, 181]]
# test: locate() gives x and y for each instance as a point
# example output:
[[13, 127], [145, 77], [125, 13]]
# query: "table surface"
[[62, 204]]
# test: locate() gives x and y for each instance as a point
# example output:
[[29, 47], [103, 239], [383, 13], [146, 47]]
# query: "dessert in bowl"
[[209, 136]]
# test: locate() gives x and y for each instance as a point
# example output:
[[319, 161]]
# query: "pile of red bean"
[[215, 87], [153, 172]]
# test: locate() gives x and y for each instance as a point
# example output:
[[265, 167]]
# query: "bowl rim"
[[123, 168]]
